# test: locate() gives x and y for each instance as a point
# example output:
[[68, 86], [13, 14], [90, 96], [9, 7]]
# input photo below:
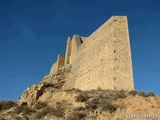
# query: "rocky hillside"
[[44, 101], [47, 101]]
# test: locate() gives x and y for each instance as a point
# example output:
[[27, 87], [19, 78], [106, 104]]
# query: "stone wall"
[[59, 63], [102, 60], [68, 51]]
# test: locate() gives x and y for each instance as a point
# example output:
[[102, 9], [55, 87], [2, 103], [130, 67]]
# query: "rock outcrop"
[[55, 80], [58, 77]]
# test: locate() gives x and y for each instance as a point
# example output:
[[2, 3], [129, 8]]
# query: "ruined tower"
[[101, 60]]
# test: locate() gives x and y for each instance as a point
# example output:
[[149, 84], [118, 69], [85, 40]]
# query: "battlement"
[[102, 59], [59, 63]]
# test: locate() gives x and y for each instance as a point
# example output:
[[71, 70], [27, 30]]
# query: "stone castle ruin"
[[102, 60]]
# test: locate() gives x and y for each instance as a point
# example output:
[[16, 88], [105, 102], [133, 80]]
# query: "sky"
[[34, 32]]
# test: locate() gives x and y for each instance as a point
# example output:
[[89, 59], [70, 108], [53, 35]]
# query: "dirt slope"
[[45, 102]]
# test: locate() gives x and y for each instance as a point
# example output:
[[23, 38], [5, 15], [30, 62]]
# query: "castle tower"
[[68, 51], [102, 60]]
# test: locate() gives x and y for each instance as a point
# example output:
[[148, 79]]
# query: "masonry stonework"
[[102, 60], [59, 63]]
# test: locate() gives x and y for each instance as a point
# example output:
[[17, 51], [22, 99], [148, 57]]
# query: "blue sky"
[[34, 32]]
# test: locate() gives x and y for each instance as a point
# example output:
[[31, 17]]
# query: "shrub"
[[59, 112], [93, 91], [150, 94], [101, 99], [82, 98], [109, 107], [74, 90], [77, 116], [120, 94], [79, 108], [133, 93], [4, 105], [114, 95], [103, 103], [142, 93], [24, 109], [93, 104], [24, 104]]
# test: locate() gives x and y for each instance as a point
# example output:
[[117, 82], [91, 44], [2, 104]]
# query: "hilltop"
[[45, 102]]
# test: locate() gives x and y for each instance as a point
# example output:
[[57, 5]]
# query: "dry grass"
[[82, 98], [100, 99], [44, 110], [24, 109], [4, 105], [40, 105], [58, 112], [101, 103], [77, 116]]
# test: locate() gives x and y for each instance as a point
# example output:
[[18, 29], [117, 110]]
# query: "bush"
[[133, 93], [93, 104], [24, 104], [4, 105], [142, 93], [102, 103], [82, 98], [79, 108], [101, 99], [77, 116], [51, 111], [150, 94], [109, 107], [120, 94], [24, 109], [74, 90]]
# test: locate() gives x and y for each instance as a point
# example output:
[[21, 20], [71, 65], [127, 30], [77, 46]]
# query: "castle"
[[102, 60]]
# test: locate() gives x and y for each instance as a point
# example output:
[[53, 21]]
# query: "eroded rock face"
[[32, 94], [55, 80], [58, 78]]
